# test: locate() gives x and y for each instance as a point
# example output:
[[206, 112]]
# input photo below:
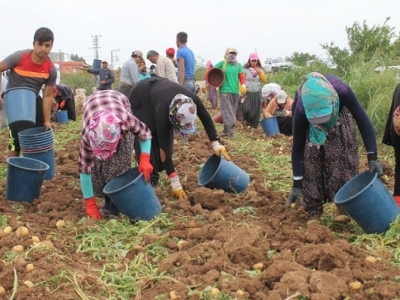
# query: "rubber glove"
[[90, 201], [91, 208], [294, 195], [219, 149], [145, 166], [374, 165], [243, 89], [177, 190]]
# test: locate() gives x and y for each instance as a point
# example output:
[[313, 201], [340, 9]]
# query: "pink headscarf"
[[208, 64]]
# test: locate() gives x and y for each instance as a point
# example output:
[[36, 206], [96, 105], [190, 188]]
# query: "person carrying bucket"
[[391, 137], [108, 131], [281, 108], [212, 93], [32, 68], [325, 151], [164, 105], [64, 97], [230, 90]]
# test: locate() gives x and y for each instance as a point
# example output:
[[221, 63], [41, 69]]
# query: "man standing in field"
[[106, 76], [186, 62], [130, 73], [32, 68], [164, 66]]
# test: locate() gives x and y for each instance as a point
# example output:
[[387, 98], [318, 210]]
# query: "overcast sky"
[[272, 28]]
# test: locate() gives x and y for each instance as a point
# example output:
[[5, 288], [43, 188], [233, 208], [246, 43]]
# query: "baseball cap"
[[170, 51], [281, 97], [231, 50], [253, 56], [137, 53]]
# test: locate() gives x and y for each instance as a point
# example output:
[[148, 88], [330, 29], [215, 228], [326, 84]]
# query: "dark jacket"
[[106, 75]]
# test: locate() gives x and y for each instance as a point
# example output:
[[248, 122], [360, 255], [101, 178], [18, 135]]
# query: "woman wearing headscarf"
[[212, 94], [164, 105], [391, 137], [251, 106], [268, 92], [281, 108], [325, 150], [143, 73], [108, 131], [229, 91]]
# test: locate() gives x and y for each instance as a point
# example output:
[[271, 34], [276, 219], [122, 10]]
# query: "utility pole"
[[96, 45], [114, 58]]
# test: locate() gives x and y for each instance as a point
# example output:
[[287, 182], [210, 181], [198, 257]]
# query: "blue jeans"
[[190, 84]]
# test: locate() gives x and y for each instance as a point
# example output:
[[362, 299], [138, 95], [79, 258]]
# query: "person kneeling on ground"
[[108, 131], [164, 105], [64, 97], [281, 108]]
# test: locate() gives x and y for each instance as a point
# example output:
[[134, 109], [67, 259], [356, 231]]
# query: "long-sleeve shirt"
[[106, 75], [130, 72], [347, 99], [273, 107], [119, 105], [165, 68], [150, 100], [253, 83]]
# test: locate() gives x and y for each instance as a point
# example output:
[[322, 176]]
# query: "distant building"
[[70, 66], [57, 56]]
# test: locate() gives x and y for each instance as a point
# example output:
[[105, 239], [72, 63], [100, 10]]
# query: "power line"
[[96, 45], [114, 57]]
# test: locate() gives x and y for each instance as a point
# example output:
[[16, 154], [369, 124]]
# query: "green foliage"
[[199, 73], [76, 57], [300, 58], [79, 80]]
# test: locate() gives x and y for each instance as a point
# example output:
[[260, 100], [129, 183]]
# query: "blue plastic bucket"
[[132, 196], [368, 202], [219, 173], [96, 64], [62, 116], [35, 133], [20, 104], [270, 126], [46, 156], [24, 178]]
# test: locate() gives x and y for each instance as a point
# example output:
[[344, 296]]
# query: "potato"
[[239, 293], [18, 248], [214, 292], [7, 230], [2, 233], [49, 237], [22, 231], [35, 239], [355, 285], [28, 283], [29, 267], [371, 259], [172, 295], [192, 224], [2, 290], [180, 244], [258, 266], [60, 224]]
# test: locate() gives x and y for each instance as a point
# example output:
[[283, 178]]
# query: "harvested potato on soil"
[[7, 230], [2, 290], [18, 248], [60, 224], [371, 259], [35, 239], [258, 266], [214, 292], [355, 285], [29, 267], [28, 283], [22, 231], [172, 295]]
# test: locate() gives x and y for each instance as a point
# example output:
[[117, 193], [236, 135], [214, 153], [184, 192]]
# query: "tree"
[[76, 57], [300, 58]]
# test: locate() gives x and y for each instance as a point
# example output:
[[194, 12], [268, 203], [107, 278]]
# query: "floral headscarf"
[[320, 101], [396, 120], [183, 113], [104, 134]]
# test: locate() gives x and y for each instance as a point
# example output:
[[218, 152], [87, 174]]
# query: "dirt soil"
[[224, 248]]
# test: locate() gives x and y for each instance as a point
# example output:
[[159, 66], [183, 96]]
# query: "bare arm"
[[47, 102], [181, 70], [3, 67]]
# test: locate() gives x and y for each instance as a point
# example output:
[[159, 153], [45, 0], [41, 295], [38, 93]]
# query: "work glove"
[[204, 90], [91, 208], [243, 89], [219, 149], [294, 195], [62, 104], [177, 190], [374, 164], [145, 166]]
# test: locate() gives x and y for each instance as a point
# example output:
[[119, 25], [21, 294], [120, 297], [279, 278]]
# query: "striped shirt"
[[165, 68], [120, 106]]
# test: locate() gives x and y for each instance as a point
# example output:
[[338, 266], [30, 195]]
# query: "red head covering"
[[170, 51]]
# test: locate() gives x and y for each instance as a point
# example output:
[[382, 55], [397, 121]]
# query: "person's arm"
[[92, 71], [181, 62], [8, 63], [170, 70], [300, 126], [48, 98], [111, 78], [271, 107], [263, 77], [134, 73]]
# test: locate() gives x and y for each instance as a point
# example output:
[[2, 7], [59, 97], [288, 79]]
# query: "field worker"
[[130, 74], [164, 105], [32, 68], [165, 67], [212, 93], [281, 108], [391, 137], [325, 150], [106, 76], [268, 92], [230, 90], [108, 131], [65, 100]]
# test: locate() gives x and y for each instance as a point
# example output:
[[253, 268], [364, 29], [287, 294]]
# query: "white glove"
[[175, 183], [219, 150]]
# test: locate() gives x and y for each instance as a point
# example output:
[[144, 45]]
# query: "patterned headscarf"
[[396, 120], [321, 105], [230, 55], [104, 134], [183, 113]]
